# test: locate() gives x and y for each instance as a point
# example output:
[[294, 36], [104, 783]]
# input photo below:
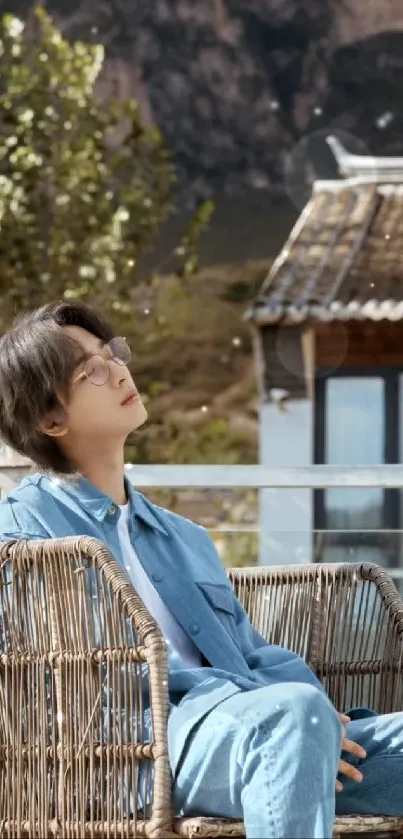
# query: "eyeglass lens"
[[97, 368]]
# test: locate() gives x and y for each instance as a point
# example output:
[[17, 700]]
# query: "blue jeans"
[[270, 757]]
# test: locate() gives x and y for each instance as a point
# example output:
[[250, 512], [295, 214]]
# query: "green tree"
[[84, 189], [84, 186]]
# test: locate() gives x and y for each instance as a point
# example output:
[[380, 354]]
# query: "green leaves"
[[187, 249], [84, 186]]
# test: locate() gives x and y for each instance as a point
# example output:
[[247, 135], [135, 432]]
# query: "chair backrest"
[[80, 749], [346, 621]]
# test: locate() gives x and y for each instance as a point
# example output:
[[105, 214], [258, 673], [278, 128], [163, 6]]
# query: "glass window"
[[359, 421], [399, 459], [354, 435], [400, 436]]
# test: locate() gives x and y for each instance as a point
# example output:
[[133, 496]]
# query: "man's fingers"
[[350, 771], [353, 748]]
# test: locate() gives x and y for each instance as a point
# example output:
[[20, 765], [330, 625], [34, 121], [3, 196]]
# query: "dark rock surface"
[[237, 85]]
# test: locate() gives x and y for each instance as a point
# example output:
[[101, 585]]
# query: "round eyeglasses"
[[97, 368]]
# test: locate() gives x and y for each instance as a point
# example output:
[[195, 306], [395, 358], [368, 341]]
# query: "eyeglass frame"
[[105, 354]]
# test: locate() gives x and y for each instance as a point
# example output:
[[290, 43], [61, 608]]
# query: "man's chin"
[[140, 417]]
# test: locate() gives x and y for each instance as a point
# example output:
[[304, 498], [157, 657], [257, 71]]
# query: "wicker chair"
[[81, 754]]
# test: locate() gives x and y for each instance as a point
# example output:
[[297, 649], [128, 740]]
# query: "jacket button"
[[194, 628], [111, 510], [157, 578]]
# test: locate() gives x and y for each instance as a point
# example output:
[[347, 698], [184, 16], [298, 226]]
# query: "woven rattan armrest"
[[346, 620], [79, 650]]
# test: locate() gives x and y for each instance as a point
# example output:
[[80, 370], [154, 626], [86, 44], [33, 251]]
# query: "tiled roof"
[[343, 259]]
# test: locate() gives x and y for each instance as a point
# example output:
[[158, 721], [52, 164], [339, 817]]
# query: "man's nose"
[[118, 374]]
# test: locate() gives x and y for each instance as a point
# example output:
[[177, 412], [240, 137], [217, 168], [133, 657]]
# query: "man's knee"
[[305, 700], [311, 708], [296, 707]]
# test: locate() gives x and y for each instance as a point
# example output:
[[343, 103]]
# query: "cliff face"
[[236, 84]]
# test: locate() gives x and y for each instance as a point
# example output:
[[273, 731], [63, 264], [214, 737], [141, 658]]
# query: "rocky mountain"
[[238, 85]]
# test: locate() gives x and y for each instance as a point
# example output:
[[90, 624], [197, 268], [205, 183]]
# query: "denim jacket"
[[180, 559]]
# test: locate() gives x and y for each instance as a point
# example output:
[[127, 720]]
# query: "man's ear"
[[54, 424]]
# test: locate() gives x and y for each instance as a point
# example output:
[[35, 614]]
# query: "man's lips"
[[131, 397]]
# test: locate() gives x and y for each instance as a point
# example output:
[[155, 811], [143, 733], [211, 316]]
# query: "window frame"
[[391, 376]]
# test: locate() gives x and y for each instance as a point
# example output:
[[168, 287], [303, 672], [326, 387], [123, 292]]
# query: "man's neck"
[[107, 475]]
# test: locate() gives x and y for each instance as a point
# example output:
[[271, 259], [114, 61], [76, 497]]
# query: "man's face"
[[98, 404]]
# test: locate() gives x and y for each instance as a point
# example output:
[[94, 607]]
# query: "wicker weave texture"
[[345, 826], [80, 654], [345, 620], [80, 657]]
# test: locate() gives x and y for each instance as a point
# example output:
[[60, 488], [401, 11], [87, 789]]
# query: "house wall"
[[287, 430], [286, 515], [355, 344]]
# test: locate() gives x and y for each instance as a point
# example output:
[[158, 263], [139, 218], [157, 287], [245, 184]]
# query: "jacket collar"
[[144, 509], [99, 505]]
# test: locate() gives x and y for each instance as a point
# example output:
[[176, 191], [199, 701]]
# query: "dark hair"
[[37, 361]]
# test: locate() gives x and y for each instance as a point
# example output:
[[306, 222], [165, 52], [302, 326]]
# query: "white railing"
[[262, 477], [250, 476]]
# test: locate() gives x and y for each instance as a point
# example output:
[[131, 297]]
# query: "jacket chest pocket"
[[221, 600]]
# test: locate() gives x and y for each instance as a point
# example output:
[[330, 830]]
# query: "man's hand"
[[352, 748]]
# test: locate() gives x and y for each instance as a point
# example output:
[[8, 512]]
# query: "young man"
[[251, 732]]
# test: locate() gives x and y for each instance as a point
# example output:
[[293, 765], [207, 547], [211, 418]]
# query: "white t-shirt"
[[173, 633]]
